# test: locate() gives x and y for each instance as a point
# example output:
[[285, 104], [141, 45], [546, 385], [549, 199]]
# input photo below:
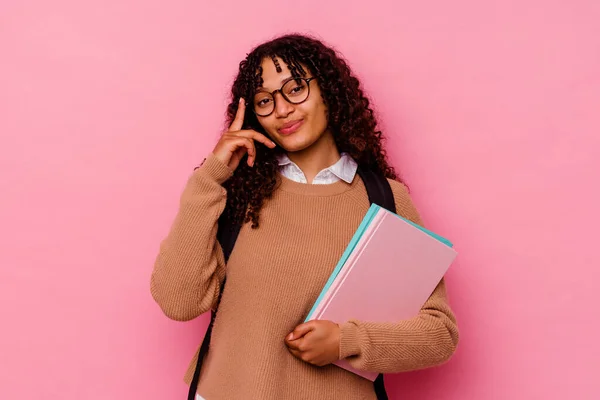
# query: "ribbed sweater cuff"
[[349, 340], [215, 169]]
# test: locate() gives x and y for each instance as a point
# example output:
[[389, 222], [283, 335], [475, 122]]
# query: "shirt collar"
[[345, 168]]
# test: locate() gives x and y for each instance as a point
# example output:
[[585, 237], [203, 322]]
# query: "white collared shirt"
[[344, 169]]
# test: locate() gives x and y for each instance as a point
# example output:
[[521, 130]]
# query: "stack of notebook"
[[388, 271]]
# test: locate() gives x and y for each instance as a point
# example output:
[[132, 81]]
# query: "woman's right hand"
[[235, 143]]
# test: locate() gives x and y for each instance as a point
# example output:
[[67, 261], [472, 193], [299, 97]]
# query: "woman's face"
[[294, 127]]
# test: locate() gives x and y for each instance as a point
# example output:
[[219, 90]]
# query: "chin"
[[292, 145], [296, 142]]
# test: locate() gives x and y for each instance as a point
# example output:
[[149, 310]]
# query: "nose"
[[282, 107]]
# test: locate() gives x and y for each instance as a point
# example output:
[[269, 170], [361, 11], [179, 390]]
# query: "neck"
[[320, 155]]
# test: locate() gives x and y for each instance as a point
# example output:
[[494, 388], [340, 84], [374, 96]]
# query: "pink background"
[[493, 114]]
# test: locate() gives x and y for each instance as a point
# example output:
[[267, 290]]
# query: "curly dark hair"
[[350, 119]]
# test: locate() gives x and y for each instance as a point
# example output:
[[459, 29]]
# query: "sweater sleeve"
[[426, 340], [190, 265]]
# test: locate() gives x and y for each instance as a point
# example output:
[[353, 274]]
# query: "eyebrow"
[[284, 80]]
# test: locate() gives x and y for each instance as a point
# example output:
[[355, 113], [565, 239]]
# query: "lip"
[[290, 127]]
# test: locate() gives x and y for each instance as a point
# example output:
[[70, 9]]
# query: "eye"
[[297, 89], [263, 102]]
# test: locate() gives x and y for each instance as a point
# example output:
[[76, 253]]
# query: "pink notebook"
[[389, 275]]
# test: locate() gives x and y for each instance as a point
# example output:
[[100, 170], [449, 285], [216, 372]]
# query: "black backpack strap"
[[378, 189], [227, 234], [379, 192]]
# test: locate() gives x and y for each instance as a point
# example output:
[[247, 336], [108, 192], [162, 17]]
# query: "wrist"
[[349, 343], [214, 168]]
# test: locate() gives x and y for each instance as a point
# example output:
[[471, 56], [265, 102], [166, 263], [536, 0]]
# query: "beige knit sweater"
[[274, 275]]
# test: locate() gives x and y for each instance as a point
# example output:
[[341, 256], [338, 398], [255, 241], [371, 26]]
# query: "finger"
[[301, 330], [238, 143], [238, 121], [237, 155], [296, 353], [302, 356], [259, 137], [264, 140], [293, 345], [249, 144], [302, 344]]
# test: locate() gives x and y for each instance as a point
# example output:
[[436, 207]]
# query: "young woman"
[[299, 124]]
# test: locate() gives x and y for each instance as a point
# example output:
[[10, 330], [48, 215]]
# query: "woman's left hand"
[[316, 342]]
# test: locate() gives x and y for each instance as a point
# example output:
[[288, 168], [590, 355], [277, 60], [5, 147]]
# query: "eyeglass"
[[294, 91]]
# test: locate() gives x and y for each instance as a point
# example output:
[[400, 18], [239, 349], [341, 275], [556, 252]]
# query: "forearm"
[[190, 266], [426, 340]]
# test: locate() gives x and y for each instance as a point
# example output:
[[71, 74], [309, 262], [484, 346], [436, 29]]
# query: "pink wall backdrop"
[[493, 113]]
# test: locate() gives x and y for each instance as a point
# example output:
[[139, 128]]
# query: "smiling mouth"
[[290, 127]]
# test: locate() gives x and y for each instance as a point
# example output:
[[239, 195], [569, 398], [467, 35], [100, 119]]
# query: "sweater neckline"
[[308, 189]]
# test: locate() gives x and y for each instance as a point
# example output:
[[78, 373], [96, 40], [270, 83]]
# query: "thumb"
[[301, 330]]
